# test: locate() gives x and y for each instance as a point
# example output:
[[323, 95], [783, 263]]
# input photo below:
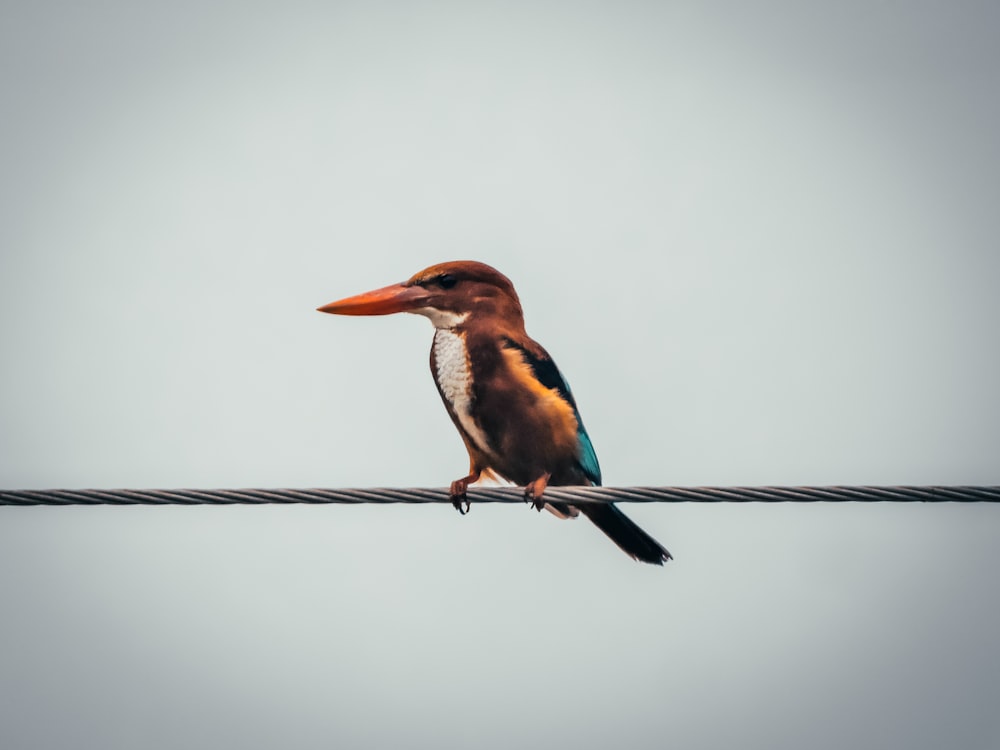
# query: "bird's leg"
[[533, 492], [458, 488]]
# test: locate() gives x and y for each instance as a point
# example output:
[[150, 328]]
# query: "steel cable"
[[386, 495]]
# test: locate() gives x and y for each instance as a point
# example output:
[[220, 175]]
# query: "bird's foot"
[[534, 491], [458, 494]]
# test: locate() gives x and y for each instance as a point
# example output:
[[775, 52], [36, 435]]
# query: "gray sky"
[[760, 239]]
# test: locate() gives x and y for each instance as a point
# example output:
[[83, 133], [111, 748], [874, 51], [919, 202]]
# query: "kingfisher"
[[505, 395]]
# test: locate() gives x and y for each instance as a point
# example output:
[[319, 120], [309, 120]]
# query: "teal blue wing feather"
[[588, 456]]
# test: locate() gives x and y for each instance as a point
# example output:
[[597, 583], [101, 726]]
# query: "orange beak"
[[391, 299]]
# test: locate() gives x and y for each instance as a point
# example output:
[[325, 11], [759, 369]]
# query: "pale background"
[[761, 240]]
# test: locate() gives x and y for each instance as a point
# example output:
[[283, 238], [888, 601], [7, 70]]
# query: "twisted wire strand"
[[577, 495]]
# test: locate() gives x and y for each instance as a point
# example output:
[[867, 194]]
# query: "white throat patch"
[[451, 360], [442, 319]]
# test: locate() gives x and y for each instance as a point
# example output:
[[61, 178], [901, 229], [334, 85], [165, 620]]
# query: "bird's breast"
[[454, 377]]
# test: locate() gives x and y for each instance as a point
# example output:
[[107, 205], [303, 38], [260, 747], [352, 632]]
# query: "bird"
[[510, 403]]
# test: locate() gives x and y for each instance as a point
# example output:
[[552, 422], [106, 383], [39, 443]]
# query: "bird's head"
[[447, 293]]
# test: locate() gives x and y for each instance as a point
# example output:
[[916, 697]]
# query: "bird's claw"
[[458, 500], [458, 495], [534, 491], [529, 497]]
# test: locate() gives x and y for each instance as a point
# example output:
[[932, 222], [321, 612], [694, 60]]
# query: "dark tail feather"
[[624, 532]]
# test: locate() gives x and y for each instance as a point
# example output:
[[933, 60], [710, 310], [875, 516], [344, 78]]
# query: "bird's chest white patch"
[[451, 362]]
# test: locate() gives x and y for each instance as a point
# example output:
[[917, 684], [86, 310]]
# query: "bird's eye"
[[446, 281]]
